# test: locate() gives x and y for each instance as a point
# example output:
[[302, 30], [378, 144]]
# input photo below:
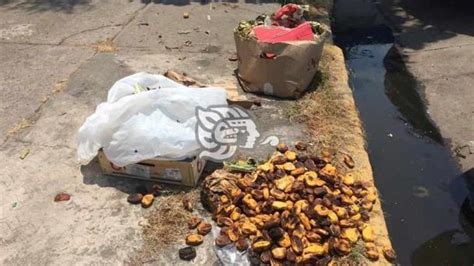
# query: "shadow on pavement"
[[429, 21], [66, 6]]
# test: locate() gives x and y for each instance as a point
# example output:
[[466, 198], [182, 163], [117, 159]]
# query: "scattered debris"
[[106, 46], [188, 43], [24, 152], [187, 204], [300, 145], [186, 15], [171, 47], [463, 151], [62, 197], [390, 254], [208, 17], [147, 200], [247, 166], [183, 79], [194, 239], [329, 209], [233, 57], [207, 32], [420, 192], [156, 190], [14, 205], [348, 161], [194, 222], [184, 32], [143, 24], [135, 198], [390, 135], [187, 253]]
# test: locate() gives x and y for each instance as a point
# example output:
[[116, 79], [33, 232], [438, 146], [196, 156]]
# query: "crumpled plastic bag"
[[146, 116]]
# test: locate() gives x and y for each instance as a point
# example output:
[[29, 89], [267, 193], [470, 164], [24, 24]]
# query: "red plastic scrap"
[[289, 16], [272, 34], [62, 197]]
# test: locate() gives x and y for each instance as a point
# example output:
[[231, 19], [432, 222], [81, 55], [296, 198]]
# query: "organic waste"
[[295, 208]]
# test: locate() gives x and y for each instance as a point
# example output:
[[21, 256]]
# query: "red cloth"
[[285, 17], [272, 34]]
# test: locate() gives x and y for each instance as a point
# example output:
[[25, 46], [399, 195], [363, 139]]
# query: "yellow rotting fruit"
[[346, 190], [302, 204], [322, 232], [348, 161], [279, 253], [224, 199], [194, 239], [261, 245], [288, 167], [313, 237], [282, 148], [194, 222], [341, 212], [389, 254], [342, 247], [222, 241], [224, 221], [248, 228], [328, 170], [356, 217], [298, 171], [289, 204], [346, 200], [316, 249], [290, 155], [346, 223], [266, 167], [311, 173], [333, 217], [242, 244], [266, 193], [279, 159], [235, 193], [372, 253], [285, 241], [305, 221], [367, 205], [204, 228], [279, 205], [297, 244], [233, 234], [354, 209], [371, 196], [321, 210], [278, 194], [350, 234], [235, 215], [368, 234], [284, 182], [147, 200], [348, 179], [311, 181], [249, 201]]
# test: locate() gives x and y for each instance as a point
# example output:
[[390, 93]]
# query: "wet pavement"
[[421, 187]]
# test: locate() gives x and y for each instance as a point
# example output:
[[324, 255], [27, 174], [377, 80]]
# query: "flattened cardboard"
[[287, 74], [185, 172]]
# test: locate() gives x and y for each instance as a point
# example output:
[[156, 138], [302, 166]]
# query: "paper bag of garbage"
[[146, 116], [276, 60]]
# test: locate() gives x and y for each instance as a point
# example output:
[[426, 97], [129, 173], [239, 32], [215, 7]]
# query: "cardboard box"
[[185, 172], [287, 73]]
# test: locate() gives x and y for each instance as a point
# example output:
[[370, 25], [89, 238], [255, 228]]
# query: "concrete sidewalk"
[[53, 74], [436, 40]]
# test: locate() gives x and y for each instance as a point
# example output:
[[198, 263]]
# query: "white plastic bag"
[[145, 116]]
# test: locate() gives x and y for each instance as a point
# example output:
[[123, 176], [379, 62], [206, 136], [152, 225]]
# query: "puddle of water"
[[419, 182]]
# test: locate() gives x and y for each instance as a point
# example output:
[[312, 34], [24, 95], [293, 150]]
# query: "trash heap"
[[295, 208], [268, 45]]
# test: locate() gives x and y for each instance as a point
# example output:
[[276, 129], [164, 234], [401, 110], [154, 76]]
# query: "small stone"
[[187, 253], [135, 198], [147, 200], [62, 197], [186, 15], [156, 190]]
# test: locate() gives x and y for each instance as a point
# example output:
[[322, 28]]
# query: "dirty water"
[[422, 190]]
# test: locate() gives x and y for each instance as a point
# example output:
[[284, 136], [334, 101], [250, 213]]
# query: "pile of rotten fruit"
[[296, 209]]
